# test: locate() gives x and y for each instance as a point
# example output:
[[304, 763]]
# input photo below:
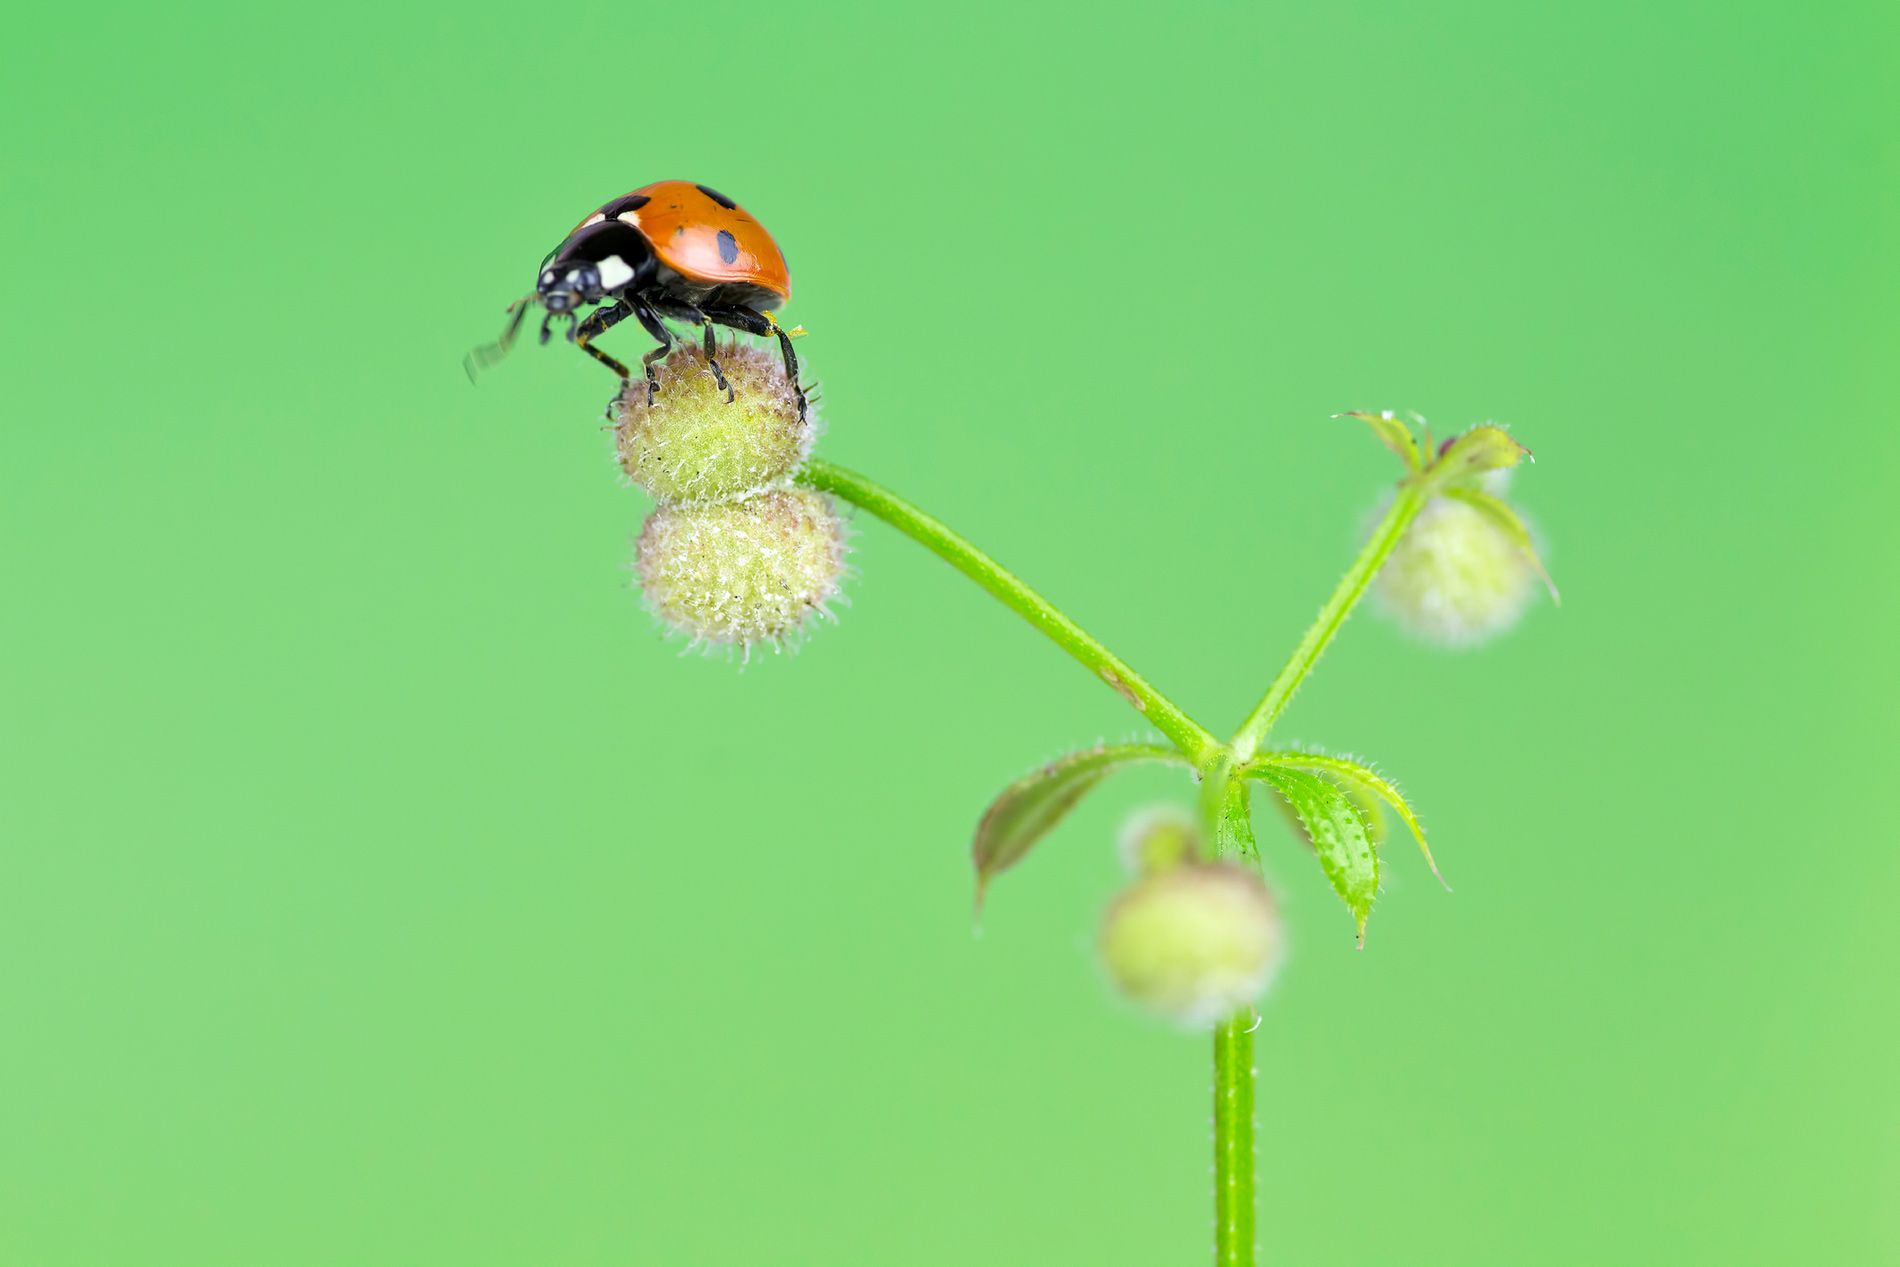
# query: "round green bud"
[[1157, 838], [692, 445], [744, 572], [1193, 943], [1456, 578]]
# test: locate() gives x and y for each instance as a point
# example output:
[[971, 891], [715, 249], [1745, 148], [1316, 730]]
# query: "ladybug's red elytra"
[[667, 251]]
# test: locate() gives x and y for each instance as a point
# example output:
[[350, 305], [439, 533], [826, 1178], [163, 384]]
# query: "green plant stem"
[[1233, 1045], [1411, 499], [1234, 1162], [1194, 740], [1233, 1141]]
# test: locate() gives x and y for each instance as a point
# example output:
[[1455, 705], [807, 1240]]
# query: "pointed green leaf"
[[1338, 832], [1370, 808], [1506, 519], [1233, 829], [1481, 449], [1362, 781], [1035, 803], [1393, 433], [1293, 823]]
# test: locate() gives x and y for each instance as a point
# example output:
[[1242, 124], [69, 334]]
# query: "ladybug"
[[667, 251]]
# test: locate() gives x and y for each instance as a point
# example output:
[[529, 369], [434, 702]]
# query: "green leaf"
[[1481, 449], [1369, 805], [1362, 781], [1394, 434], [1233, 827], [1031, 806], [1370, 809], [1339, 835], [1500, 513], [1293, 823]]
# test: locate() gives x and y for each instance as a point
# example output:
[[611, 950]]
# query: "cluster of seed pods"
[[734, 555]]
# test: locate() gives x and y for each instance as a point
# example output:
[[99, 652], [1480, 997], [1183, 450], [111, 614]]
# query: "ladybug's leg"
[[753, 322], [598, 322], [680, 310], [657, 328], [603, 319], [719, 375]]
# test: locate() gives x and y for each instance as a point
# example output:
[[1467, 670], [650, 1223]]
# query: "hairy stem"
[[1233, 1141], [1223, 815], [1225, 823], [1233, 1040], [1192, 739], [1405, 507]]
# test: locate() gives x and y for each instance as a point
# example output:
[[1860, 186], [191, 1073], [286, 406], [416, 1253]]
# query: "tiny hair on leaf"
[[1339, 835], [1483, 448], [1028, 809], [1393, 433], [1359, 779]]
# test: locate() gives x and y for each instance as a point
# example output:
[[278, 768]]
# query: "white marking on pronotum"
[[614, 273], [591, 221], [629, 217]]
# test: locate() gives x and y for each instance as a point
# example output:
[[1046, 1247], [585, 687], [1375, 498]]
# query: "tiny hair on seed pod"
[[1158, 837], [712, 428], [1456, 578], [1193, 941], [742, 573]]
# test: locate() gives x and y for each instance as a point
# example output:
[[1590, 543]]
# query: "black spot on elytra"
[[632, 202], [728, 247], [717, 197]]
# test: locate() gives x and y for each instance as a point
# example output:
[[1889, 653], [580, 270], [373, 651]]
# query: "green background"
[[378, 887]]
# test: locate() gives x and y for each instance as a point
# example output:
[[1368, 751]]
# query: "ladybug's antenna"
[[486, 355]]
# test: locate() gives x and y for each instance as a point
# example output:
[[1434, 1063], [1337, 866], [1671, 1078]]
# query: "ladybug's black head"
[[564, 288], [597, 260]]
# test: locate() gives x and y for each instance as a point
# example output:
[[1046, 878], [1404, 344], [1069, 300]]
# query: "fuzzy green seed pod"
[[692, 446], [1456, 577], [1157, 838], [1193, 943], [745, 572]]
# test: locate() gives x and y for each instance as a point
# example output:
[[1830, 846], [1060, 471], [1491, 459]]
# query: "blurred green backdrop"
[[379, 888]]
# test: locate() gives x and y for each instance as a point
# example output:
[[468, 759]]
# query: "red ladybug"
[[671, 250]]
